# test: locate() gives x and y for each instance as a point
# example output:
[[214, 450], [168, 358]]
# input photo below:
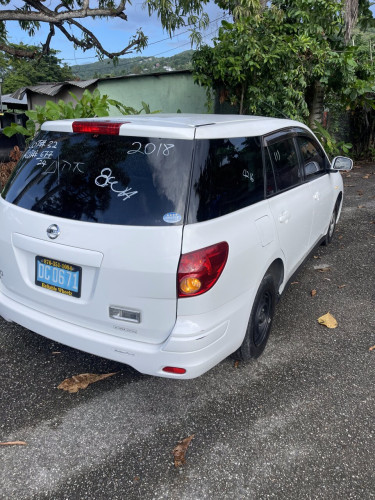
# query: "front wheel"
[[260, 322]]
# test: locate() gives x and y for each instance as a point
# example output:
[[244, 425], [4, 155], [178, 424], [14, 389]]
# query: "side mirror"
[[341, 163]]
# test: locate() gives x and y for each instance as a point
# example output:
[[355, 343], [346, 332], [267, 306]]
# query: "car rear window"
[[228, 175], [104, 178]]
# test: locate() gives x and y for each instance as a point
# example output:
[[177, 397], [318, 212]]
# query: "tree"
[[18, 72], [275, 59], [63, 16]]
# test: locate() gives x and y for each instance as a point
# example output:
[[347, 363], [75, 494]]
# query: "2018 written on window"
[[150, 148]]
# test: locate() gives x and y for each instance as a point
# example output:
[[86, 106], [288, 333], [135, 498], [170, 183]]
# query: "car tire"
[[331, 228], [260, 321]]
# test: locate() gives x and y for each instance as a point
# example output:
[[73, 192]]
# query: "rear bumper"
[[196, 343]]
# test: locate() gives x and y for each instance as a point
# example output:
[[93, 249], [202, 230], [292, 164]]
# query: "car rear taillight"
[[95, 127], [174, 369], [198, 271]]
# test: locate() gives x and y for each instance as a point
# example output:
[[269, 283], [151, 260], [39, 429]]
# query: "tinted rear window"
[[105, 179], [228, 175]]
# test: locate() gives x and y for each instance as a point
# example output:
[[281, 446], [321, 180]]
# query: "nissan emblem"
[[53, 231]]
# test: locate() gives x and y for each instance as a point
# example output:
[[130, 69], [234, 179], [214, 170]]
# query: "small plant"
[[89, 106], [332, 147]]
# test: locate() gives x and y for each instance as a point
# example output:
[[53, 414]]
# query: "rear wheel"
[[331, 228], [260, 322]]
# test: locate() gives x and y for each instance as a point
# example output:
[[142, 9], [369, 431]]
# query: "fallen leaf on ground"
[[322, 269], [340, 237], [316, 257], [81, 381], [360, 193], [372, 348], [360, 206], [341, 286], [236, 363], [180, 451], [366, 176], [313, 293], [328, 320], [11, 443]]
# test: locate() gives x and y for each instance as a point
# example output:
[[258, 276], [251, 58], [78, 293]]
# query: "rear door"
[[289, 199], [105, 213]]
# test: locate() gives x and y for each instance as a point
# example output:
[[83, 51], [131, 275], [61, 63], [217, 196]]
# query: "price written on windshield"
[[151, 148]]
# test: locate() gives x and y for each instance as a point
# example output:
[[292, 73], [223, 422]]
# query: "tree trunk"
[[242, 99], [317, 104], [351, 17]]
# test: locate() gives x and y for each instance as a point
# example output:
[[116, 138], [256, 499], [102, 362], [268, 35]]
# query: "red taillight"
[[96, 127], [174, 369], [198, 271]]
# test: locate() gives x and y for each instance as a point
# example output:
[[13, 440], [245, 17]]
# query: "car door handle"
[[284, 217], [316, 196]]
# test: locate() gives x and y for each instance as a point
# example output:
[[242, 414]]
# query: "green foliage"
[[89, 106], [19, 73], [332, 147], [268, 62]]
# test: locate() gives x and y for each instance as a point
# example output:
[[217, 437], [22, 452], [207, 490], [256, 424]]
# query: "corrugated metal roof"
[[8, 99], [52, 89]]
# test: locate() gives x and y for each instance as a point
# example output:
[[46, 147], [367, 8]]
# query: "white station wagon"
[[163, 241]]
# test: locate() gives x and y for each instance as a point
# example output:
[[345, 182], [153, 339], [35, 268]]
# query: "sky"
[[114, 34]]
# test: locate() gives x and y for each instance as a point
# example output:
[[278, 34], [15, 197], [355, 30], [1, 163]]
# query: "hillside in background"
[[133, 66]]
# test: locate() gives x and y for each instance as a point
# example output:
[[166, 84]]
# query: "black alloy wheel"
[[260, 321]]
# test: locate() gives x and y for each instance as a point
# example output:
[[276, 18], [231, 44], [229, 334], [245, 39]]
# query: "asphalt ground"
[[298, 423]]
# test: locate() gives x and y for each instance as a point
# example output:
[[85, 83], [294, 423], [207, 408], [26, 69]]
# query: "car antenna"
[[273, 107]]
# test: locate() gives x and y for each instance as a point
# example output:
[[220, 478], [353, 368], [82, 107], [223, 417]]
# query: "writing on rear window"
[[49, 160], [151, 148], [87, 177], [107, 179]]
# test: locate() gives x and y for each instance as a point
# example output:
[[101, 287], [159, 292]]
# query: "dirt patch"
[[7, 168]]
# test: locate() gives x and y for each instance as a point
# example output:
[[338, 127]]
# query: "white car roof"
[[186, 126]]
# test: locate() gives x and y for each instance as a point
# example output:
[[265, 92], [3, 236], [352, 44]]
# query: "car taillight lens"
[[94, 127], [198, 271], [174, 369]]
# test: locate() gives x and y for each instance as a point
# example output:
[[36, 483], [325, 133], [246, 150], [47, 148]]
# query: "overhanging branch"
[[47, 16], [17, 52], [61, 15], [93, 42]]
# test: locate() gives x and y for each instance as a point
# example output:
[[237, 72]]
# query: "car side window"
[[285, 163], [270, 176], [313, 158], [228, 176]]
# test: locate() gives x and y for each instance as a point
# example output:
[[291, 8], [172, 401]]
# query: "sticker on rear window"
[[172, 217]]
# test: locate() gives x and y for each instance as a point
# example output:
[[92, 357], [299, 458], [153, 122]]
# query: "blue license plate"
[[57, 276]]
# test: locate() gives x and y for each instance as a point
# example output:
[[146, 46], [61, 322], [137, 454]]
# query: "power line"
[[157, 41]]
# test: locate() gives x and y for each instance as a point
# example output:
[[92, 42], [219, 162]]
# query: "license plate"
[[57, 276]]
